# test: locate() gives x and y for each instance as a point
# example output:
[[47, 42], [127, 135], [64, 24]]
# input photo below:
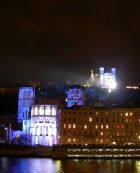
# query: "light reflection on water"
[[45, 165]]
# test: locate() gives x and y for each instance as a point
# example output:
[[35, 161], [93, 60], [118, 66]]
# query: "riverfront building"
[[43, 125], [87, 125]]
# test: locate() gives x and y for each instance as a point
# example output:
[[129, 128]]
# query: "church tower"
[[25, 101]]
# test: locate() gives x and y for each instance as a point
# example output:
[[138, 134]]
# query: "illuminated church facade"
[[103, 79], [39, 122], [43, 125]]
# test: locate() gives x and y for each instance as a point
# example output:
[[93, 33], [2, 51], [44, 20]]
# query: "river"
[[45, 165]]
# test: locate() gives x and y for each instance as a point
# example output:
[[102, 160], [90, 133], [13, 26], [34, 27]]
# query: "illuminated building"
[[103, 79], [86, 125], [75, 96], [107, 80], [43, 125], [25, 101]]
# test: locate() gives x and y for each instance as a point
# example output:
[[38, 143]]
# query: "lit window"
[[74, 126], [117, 133], [47, 110], [131, 113], [126, 114], [126, 120], [96, 113], [90, 119], [32, 112], [69, 126], [85, 126], [101, 133], [106, 126], [36, 110], [74, 139], [101, 140], [96, 127], [41, 110], [69, 139], [139, 120], [64, 126], [53, 111], [102, 126]]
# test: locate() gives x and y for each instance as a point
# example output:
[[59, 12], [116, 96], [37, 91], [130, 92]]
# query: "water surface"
[[45, 165]]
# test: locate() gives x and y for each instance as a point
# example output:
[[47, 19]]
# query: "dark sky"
[[59, 40]]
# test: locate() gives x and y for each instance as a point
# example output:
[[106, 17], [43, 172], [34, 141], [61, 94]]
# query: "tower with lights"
[[25, 101]]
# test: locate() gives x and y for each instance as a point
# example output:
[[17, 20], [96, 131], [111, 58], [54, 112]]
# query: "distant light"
[[85, 126], [132, 87], [109, 90], [114, 143]]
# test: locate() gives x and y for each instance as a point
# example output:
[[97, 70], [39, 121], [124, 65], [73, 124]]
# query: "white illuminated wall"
[[43, 125], [108, 80]]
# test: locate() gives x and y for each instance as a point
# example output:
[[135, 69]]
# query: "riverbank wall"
[[67, 151]]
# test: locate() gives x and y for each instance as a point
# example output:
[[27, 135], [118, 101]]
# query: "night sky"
[[60, 40]]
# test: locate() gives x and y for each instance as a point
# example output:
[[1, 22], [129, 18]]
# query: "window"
[[90, 119], [126, 114], [69, 126], [106, 126], [126, 120], [74, 140], [96, 133], [102, 126], [69, 139], [74, 126], [118, 134], [106, 119], [85, 126], [64, 126], [118, 126], [96, 126], [102, 133]]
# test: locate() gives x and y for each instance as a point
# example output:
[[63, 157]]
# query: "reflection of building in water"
[[43, 125]]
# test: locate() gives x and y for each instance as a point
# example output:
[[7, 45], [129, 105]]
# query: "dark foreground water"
[[43, 165]]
